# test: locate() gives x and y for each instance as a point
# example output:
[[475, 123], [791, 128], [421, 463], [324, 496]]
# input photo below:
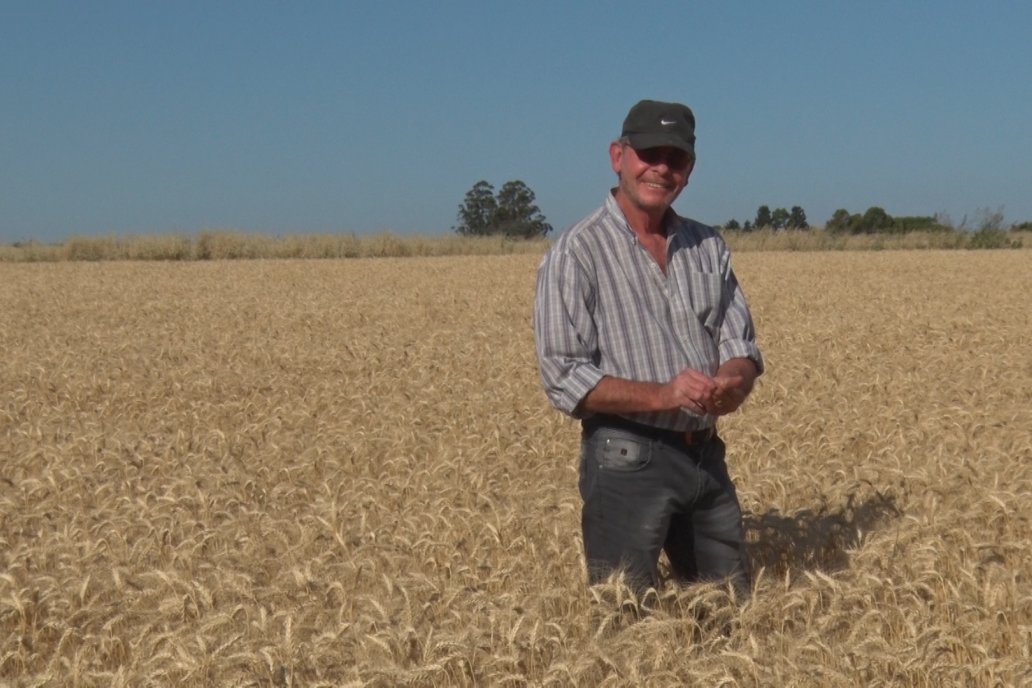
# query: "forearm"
[[689, 390], [617, 395]]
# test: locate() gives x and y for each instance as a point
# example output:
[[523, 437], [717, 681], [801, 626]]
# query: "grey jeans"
[[643, 495]]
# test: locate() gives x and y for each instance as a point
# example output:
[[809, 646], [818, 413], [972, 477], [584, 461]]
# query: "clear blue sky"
[[132, 117]]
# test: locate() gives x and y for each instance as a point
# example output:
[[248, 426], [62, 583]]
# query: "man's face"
[[651, 178]]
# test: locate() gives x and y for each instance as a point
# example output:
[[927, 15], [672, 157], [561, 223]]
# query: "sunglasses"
[[675, 158]]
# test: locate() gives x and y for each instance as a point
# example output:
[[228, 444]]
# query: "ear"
[[616, 156]]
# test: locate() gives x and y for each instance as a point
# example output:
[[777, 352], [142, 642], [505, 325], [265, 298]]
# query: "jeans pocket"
[[623, 453]]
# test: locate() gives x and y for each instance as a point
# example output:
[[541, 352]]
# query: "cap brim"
[[643, 141]]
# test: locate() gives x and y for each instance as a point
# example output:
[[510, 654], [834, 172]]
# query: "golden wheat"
[[344, 473]]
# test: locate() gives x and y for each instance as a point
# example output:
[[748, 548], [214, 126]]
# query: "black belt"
[[677, 438]]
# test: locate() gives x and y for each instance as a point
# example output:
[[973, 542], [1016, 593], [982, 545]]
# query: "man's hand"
[[692, 390], [734, 381], [728, 396]]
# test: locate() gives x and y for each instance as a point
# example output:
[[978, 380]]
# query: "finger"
[[726, 384], [696, 380]]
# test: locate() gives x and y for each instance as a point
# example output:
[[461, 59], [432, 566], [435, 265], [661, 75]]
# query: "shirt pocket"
[[705, 298], [625, 454]]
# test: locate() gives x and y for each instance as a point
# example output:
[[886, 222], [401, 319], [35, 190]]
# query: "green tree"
[[875, 220], [763, 218], [477, 212], [841, 222], [732, 225], [517, 215], [797, 218], [779, 218], [511, 212]]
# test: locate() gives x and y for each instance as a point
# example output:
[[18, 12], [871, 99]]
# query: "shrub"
[[991, 237]]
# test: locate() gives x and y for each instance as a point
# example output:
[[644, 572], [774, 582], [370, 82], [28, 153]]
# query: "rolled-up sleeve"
[[737, 334], [564, 331]]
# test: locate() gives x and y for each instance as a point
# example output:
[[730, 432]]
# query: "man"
[[643, 334]]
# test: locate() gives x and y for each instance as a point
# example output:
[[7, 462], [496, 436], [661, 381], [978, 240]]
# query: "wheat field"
[[344, 473]]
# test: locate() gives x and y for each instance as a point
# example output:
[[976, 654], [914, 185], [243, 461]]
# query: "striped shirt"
[[604, 307]]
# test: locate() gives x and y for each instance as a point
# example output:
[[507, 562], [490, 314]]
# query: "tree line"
[[512, 212], [779, 218], [874, 220]]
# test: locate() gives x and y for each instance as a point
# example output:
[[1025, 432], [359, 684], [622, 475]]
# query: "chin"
[[658, 203]]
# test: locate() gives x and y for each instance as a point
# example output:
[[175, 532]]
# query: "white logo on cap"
[[667, 122]]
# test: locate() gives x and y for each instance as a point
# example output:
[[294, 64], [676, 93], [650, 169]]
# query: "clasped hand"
[[699, 393]]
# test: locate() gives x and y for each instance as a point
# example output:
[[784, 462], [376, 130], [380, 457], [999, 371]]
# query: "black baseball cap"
[[652, 123]]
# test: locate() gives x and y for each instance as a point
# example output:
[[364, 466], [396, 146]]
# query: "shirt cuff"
[[567, 394]]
